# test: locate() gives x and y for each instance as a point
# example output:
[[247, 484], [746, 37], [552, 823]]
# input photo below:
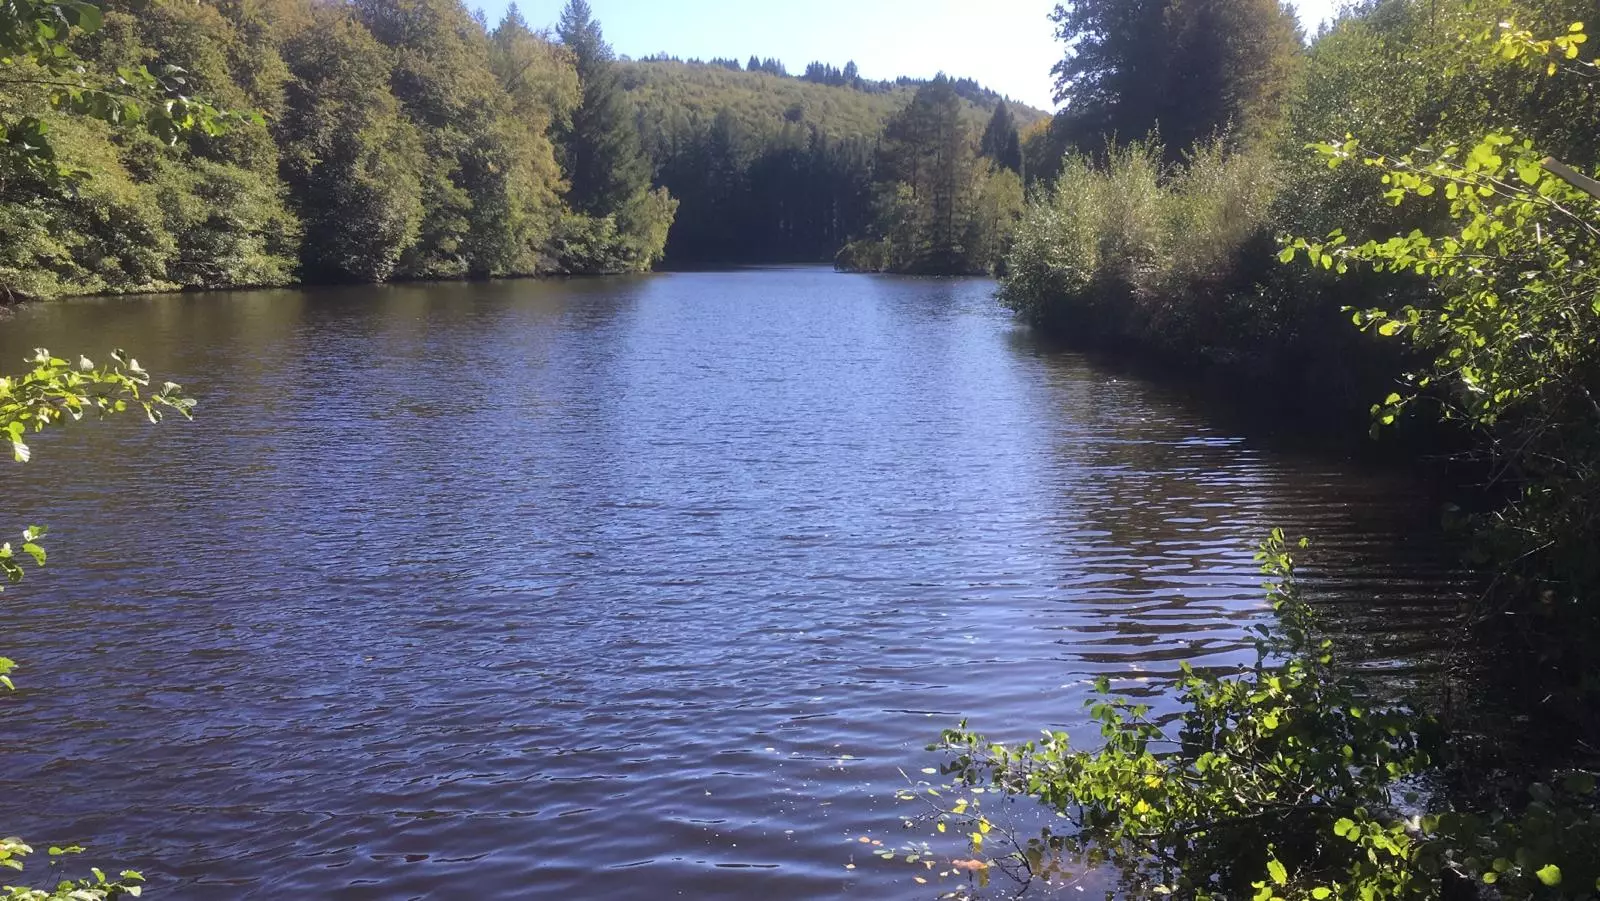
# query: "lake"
[[626, 588]]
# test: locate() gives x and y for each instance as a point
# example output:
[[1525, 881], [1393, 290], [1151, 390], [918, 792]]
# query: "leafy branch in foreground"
[[52, 393], [1283, 781], [34, 51], [55, 391]]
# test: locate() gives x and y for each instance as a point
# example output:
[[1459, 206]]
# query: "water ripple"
[[628, 588]]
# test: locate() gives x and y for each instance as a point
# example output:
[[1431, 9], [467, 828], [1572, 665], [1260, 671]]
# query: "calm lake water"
[[626, 589]]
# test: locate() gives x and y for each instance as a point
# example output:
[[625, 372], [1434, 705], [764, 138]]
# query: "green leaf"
[[89, 18], [1276, 870], [1549, 874]]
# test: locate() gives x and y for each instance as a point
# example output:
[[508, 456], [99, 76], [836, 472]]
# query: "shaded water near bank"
[[623, 588]]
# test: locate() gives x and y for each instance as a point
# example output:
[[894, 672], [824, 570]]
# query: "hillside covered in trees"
[[375, 140], [772, 167]]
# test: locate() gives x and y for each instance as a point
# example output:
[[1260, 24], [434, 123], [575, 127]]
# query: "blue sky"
[[1007, 45]]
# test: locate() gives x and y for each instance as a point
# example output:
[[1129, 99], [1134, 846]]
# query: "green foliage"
[[351, 160], [1401, 73], [1000, 141], [53, 392], [541, 80], [1207, 806], [1133, 250], [36, 56], [997, 208], [940, 209], [770, 168], [1284, 780], [486, 209], [1189, 70], [1405, 75], [1509, 328], [229, 226], [632, 240], [97, 888], [56, 391], [405, 139], [107, 233], [1451, 229], [80, 209], [606, 163], [619, 223]]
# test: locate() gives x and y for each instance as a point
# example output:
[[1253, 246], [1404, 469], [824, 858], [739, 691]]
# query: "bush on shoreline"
[[1284, 780]]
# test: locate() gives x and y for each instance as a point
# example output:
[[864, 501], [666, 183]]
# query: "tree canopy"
[[371, 140], [939, 206], [1187, 70]]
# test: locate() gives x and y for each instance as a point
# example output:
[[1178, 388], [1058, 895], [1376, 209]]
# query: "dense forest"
[[771, 167], [374, 140], [383, 140]]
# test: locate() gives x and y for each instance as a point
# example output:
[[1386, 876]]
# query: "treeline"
[[396, 139], [407, 139], [1165, 184], [946, 198], [772, 169], [849, 76]]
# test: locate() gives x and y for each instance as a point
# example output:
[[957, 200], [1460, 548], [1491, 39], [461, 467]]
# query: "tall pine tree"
[[1000, 142], [927, 155], [604, 159]]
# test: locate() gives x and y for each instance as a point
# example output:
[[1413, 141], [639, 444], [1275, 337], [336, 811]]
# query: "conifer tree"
[[928, 156], [604, 158], [1000, 142]]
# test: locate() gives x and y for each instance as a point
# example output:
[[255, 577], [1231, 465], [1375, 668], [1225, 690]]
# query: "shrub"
[[1285, 780], [630, 241], [1131, 250], [1509, 335]]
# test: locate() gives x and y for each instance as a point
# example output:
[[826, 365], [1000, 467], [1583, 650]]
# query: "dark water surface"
[[634, 589]]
